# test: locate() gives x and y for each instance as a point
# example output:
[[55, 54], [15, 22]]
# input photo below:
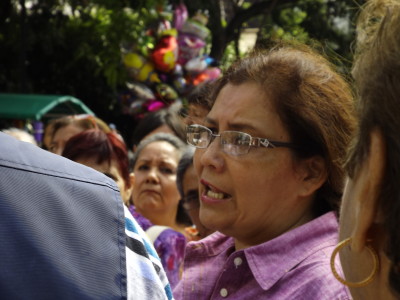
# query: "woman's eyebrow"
[[241, 126], [238, 126], [168, 163], [210, 121]]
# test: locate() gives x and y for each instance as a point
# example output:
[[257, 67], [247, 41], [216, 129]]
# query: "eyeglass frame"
[[254, 141]]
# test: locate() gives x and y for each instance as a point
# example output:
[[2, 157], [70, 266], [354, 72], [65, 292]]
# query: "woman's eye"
[[213, 130], [167, 170], [143, 168]]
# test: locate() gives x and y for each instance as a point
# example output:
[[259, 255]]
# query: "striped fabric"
[[145, 274]]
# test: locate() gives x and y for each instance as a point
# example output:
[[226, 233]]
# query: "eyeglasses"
[[234, 143]]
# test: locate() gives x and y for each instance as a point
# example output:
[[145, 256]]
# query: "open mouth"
[[212, 192]]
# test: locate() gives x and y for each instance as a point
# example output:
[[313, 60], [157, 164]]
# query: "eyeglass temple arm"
[[274, 144]]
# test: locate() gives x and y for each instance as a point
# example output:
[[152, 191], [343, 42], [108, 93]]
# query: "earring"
[[360, 283]]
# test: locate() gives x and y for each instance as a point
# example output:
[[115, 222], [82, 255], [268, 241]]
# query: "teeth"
[[215, 195]]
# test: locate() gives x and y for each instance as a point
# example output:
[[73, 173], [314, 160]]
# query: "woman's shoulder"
[[171, 239], [142, 221], [316, 281], [169, 233]]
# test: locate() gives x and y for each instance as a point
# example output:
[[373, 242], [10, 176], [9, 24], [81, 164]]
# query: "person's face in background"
[[196, 114], [110, 170], [155, 187], [61, 136], [190, 185]]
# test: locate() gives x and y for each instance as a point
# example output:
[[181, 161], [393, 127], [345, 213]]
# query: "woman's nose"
[[152, 175], [212, 156]]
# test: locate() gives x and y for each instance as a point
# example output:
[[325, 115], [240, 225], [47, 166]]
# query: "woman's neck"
[[165, 218]]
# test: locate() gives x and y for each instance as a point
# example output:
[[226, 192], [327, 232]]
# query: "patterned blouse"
[[170, 246]]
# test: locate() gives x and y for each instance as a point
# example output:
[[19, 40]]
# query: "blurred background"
[[119, 60]]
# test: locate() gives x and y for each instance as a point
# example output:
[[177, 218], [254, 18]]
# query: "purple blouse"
[[295, 265], [170, 246]]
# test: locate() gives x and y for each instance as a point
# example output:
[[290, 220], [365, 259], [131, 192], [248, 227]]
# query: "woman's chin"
[[211, 220]]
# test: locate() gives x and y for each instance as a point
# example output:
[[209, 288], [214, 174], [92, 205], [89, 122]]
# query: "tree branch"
[[232, 31]]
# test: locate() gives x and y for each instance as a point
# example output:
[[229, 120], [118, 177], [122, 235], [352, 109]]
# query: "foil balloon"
[[213, 73], [140, 69], [133, 97], [196, 64], [210, 73], [178, 79], [180, 84], [192, 37], [189, 47], [137, 108], [154, 105], [166, 93], [165, 53], [195, 28], [180, 16], [140, 90]]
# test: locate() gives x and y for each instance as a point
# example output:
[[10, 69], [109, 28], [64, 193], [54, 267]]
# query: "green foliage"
[[74, 46], [229, 56]]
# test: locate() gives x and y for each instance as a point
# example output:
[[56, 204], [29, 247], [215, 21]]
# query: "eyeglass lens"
[[233, 142]]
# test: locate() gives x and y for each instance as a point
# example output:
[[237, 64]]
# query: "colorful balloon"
[[165, 54], [180, 15], [189, 47], [139, 68]]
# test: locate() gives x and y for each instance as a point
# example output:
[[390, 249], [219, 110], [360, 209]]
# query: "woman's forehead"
[[159, 150], [241, 103]]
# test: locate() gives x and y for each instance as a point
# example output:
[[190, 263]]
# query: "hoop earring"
[[360, 283]]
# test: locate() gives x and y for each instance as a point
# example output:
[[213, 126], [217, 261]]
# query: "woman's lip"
[[208, 200], [207, 184], [150, 191]]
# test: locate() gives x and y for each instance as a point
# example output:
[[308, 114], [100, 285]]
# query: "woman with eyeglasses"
[[269, 158], [369, 247]]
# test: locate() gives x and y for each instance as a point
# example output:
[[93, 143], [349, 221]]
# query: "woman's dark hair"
[[377, 76], [181, 217], [314, 102], [166, 116], [184, 163], [100, 145], [200, 94]]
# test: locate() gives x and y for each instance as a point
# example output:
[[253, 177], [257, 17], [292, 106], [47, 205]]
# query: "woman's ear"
[[368, 183], [132, 178], [313, 174], [130, 189]]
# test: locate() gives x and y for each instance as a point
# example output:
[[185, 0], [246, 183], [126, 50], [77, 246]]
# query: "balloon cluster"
[[172, 68]]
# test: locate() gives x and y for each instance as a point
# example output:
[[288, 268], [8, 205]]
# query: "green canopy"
[[35, 107]]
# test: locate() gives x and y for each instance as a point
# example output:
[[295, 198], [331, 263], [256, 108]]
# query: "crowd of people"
[[279, 183]]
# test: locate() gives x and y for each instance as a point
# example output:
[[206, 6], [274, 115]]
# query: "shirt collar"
[[297, 245]]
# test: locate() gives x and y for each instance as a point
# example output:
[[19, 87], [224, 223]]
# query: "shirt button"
[[237, 261], [223, 292]]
